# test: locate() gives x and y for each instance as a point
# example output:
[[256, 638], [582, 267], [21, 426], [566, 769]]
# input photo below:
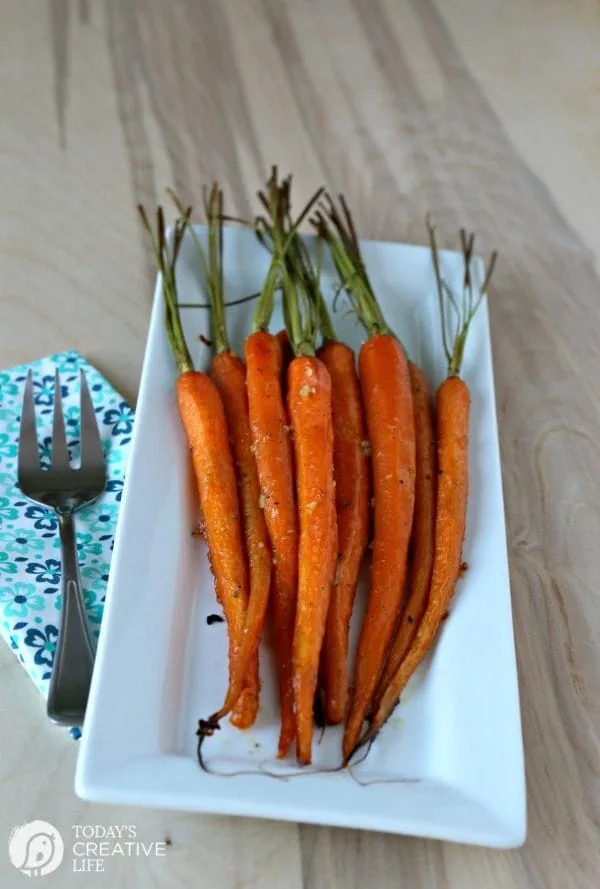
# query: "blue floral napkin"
[[29, 542]]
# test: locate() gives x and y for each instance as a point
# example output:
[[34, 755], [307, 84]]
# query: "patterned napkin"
[[29, 542]]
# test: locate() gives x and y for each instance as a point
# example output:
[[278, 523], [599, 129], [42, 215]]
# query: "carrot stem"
[[166, 265]]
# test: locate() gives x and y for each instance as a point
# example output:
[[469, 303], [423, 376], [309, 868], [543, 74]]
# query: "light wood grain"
[[487, 115]]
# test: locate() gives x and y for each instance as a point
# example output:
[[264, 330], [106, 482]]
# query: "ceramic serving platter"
[[449, 763]]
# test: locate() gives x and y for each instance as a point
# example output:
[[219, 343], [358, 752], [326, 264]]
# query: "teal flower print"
[[10, 423], [87, 545], [93, 607], [44, 641], [7, 566], [21, 542], [20, 600], [45, 572], [104, 522], [68, 362], [8, 448], [7, 480], [43, 390], [7, 387], [95, 577], [115, 486], [8, 513], [43, 519]]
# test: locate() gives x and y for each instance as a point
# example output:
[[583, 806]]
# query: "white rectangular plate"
[[449, 763]]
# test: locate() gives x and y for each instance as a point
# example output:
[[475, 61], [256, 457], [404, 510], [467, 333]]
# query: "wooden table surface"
[[486, 114]]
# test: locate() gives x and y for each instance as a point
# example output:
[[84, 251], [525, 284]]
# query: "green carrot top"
[[337, 229], [211, 261], [454, 337], [278, 232], [166, 262]]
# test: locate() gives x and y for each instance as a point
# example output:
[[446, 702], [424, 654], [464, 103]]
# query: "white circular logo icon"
[[36, 848]]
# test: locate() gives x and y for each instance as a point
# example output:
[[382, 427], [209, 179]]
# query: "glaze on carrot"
[[452, 411], [423, 532]]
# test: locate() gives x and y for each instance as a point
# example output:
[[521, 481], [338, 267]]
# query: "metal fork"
[[65, 490]]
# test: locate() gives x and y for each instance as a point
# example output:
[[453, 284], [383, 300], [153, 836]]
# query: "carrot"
[[204, 421], [351, 475], [452, 408], [423, 532], [272, 450], [228, 372], [309, 403], [387, 399]]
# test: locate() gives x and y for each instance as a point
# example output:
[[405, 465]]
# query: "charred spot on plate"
[[214, 619]]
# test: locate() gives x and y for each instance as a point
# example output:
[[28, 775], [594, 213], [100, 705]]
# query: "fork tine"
[[29, 457], [92, 453], [60, 451]]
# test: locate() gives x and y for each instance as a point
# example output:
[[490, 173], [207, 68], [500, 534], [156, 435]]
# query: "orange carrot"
[[310, 413], [351, 473], [350, 521], [203, 417], [386, 393], [423, 532], [274, 453], [228, 373], [309, 405], [272, 449], [452, 409], [387, 399]]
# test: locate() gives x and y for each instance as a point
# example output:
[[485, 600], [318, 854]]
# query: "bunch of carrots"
[[307, 461]]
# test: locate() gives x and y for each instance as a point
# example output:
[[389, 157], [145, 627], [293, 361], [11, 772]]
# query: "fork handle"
[[74, 655]]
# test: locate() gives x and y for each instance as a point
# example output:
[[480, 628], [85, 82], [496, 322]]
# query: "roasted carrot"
[[229, 375], [352, 489], [272, 450], [452, 411], [423, 532], [274, 453], [228, 372], [309, 404], [310, 413], [387, 399], [351, 473], [204, 421]]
